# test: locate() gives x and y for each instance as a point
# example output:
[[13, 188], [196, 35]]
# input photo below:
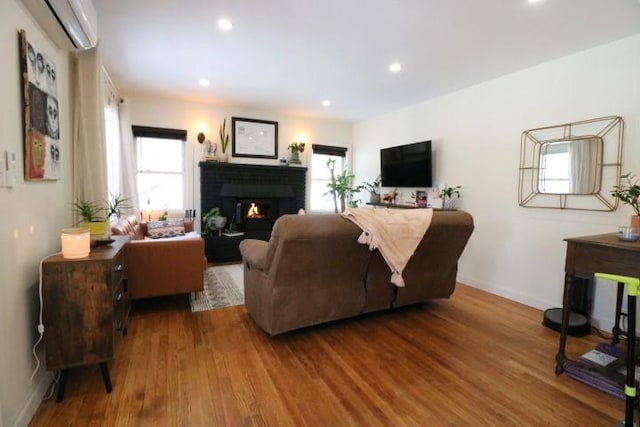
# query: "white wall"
[[517, 252], [194, 117], [32, 215]]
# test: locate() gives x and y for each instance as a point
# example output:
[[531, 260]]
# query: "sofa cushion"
[[161, 229]]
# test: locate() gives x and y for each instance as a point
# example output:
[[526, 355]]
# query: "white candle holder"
[[76, 242]]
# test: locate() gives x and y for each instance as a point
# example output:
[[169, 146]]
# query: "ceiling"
[[289, 55]]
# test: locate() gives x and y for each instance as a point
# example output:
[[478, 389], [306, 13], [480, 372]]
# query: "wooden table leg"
[[561, 357], [105, 376], [62, 384], [617, 331]]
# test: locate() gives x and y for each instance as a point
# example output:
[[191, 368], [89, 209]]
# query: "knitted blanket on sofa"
[[396, 233]]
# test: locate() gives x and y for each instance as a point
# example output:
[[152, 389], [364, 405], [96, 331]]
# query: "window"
[[320, 175], [160, 175], [554, 168]]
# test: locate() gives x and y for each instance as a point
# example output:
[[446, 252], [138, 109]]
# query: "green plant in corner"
[[224, 136], [628, 191], [340, 187]]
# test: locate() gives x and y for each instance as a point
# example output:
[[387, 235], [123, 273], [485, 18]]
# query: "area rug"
[[223, 287]]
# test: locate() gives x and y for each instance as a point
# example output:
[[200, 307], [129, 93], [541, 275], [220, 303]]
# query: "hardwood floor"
[[475, 359]]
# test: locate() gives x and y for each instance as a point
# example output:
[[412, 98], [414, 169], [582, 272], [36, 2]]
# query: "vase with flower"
[[296, 148]]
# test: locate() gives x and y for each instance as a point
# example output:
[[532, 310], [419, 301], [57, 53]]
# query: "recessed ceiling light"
[[326, 103], [535, 1], [225, 24], [204, 82], [395, 67]]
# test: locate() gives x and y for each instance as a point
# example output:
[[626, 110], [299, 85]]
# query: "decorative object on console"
[[254, 138], [76, 242], [421, 199], [374, 189], [446, 194], [296, 148], [628, 234], [628, 192], [391, 196]]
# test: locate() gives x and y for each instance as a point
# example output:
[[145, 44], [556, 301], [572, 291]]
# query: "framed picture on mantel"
[[254, 138]]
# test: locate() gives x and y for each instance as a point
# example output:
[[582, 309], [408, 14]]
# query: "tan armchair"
[[161, 266]]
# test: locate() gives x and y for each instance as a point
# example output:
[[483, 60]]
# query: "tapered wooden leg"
[[105, 376], [561, 358]]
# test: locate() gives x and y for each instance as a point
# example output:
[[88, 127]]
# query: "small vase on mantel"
[[635, 221]]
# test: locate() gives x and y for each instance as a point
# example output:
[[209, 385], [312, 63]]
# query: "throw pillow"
[[162, 229]]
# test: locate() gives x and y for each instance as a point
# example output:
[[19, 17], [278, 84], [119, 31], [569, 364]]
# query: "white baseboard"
[[33, 402], [528, 300]]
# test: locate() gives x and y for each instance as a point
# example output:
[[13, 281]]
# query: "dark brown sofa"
[[313, 270], [157, 267]]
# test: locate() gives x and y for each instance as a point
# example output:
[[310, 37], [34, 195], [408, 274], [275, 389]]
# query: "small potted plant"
[[296, 148], [95, 216], [213, 221], [374, 189], [446, 194], [628, 192], [224, 141]]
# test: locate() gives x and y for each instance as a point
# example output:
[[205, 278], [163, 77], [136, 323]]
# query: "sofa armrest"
[[254, 252]]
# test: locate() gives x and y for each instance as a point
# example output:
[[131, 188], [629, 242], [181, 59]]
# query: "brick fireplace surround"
[[232, 187]]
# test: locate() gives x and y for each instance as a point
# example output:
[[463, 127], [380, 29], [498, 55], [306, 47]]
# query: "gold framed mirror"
[[571, 166]]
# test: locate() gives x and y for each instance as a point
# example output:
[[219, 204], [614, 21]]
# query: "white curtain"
[[88, 144], [120, 147], [583, 165], [129, 164]]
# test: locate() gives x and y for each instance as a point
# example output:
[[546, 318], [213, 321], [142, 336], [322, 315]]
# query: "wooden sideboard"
[[85, 308]]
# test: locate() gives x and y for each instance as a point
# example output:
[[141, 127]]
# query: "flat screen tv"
[[406, 165]]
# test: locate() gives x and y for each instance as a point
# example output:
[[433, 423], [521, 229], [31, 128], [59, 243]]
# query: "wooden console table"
[[85, 308], [603, 253]]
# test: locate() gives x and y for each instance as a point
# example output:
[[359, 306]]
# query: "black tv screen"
[[406, 165]]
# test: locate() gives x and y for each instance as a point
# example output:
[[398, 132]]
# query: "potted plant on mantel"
[[446, 194], [374, 189], [628, 192], [224, 141], [296, 148]]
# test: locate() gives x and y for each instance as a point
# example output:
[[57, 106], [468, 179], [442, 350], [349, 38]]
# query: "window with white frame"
[[161, 168], [320, 175]]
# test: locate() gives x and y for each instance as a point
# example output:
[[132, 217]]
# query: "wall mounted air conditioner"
[[78, 20]]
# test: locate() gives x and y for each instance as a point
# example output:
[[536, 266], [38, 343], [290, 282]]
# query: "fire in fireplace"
[[255, 214]]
